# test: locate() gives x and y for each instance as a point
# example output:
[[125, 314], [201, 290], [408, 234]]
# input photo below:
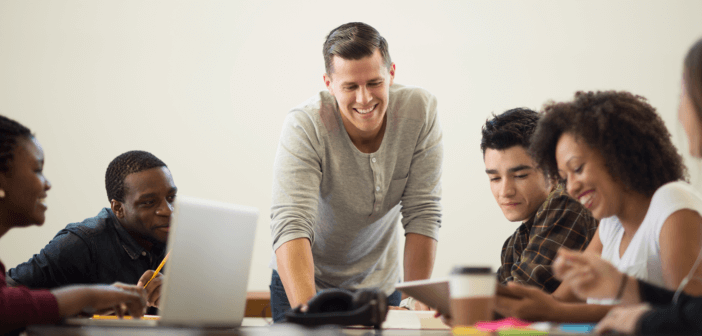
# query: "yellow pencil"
[[158, 269]]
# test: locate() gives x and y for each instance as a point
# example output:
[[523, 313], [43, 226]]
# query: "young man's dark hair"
[[123, 165], [513, 127], [353, 41]]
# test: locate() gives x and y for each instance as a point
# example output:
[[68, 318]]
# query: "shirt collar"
[[529, 222], [129, 244], [558, 191]]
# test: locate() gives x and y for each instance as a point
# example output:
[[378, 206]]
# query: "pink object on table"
[[505, 323]]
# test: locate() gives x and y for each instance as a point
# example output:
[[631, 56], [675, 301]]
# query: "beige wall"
[[205, 86]]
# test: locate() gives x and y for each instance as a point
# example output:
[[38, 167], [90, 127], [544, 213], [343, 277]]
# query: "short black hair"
[[123, 165], [10, 131], [624, 128], [511, 128], [353, 41]]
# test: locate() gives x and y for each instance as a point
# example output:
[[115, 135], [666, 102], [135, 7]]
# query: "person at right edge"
[[650, 309], [350, 160]]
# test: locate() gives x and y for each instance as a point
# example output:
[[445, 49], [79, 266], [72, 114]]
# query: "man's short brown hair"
[[353, 41]]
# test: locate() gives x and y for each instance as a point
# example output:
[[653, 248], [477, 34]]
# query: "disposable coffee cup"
[[472, 292]]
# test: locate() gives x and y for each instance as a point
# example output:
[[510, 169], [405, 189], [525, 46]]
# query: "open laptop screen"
[[211, 244]]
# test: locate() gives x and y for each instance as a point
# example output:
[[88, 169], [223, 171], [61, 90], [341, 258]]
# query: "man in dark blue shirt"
[[124, 243]]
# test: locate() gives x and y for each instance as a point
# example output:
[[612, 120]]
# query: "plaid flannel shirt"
[[527, 255]]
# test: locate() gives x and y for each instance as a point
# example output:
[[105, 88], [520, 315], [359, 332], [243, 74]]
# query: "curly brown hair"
[[626, 130]]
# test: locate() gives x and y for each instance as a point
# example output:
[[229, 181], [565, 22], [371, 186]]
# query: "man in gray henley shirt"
[[349, 161]]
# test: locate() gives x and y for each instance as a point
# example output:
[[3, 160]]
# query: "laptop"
[[206, 275]]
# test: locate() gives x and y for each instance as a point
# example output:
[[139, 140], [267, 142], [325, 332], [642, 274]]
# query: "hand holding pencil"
[[152, 281]]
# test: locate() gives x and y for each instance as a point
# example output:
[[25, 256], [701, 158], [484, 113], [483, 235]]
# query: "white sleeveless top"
[[642, 257]]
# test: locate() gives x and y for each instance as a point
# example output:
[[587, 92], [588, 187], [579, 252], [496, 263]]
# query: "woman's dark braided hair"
[[10, 131]]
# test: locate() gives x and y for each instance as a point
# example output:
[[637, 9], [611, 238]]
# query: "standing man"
[[549, 217], [350, 160]]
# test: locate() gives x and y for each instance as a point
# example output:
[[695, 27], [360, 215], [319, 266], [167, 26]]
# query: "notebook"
[[206, 275]]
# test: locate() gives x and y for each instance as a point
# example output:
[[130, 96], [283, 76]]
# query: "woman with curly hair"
[[590, 276], [615, 156], [23, 188]]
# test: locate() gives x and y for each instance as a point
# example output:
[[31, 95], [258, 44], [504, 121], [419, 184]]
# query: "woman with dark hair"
[[23, 190], [591, 276], [615, 155]]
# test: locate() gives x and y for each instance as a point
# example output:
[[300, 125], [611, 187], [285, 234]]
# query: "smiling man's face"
[[361, 88], [518, 187], [148, 204]]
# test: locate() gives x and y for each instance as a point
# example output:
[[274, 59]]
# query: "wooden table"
[[246, 331], [258, 304]]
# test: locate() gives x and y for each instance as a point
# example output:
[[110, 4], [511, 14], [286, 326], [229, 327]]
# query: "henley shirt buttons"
[[377, 188], [373, 160], [143, 253]]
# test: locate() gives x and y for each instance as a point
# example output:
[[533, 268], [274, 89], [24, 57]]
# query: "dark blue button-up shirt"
[[97, 250]]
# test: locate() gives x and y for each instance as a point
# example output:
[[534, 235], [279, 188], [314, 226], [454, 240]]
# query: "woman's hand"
[[588, 275], [120, 298], [622, 319]]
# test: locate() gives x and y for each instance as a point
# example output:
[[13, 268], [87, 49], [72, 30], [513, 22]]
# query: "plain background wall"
[[205, 85]]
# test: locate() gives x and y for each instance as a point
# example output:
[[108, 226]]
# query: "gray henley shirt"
[[348, 203]]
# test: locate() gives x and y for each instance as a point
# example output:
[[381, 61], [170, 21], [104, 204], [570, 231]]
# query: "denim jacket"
[[97, 250]]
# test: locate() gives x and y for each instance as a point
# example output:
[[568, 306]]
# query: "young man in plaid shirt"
[[550, 218]]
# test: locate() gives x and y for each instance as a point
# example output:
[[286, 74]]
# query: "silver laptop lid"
[[206, 275]]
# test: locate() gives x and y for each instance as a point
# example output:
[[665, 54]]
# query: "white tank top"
[[642, 257]]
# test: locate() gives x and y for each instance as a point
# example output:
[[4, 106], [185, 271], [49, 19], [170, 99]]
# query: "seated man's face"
[[519, 188], [148, 203]]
